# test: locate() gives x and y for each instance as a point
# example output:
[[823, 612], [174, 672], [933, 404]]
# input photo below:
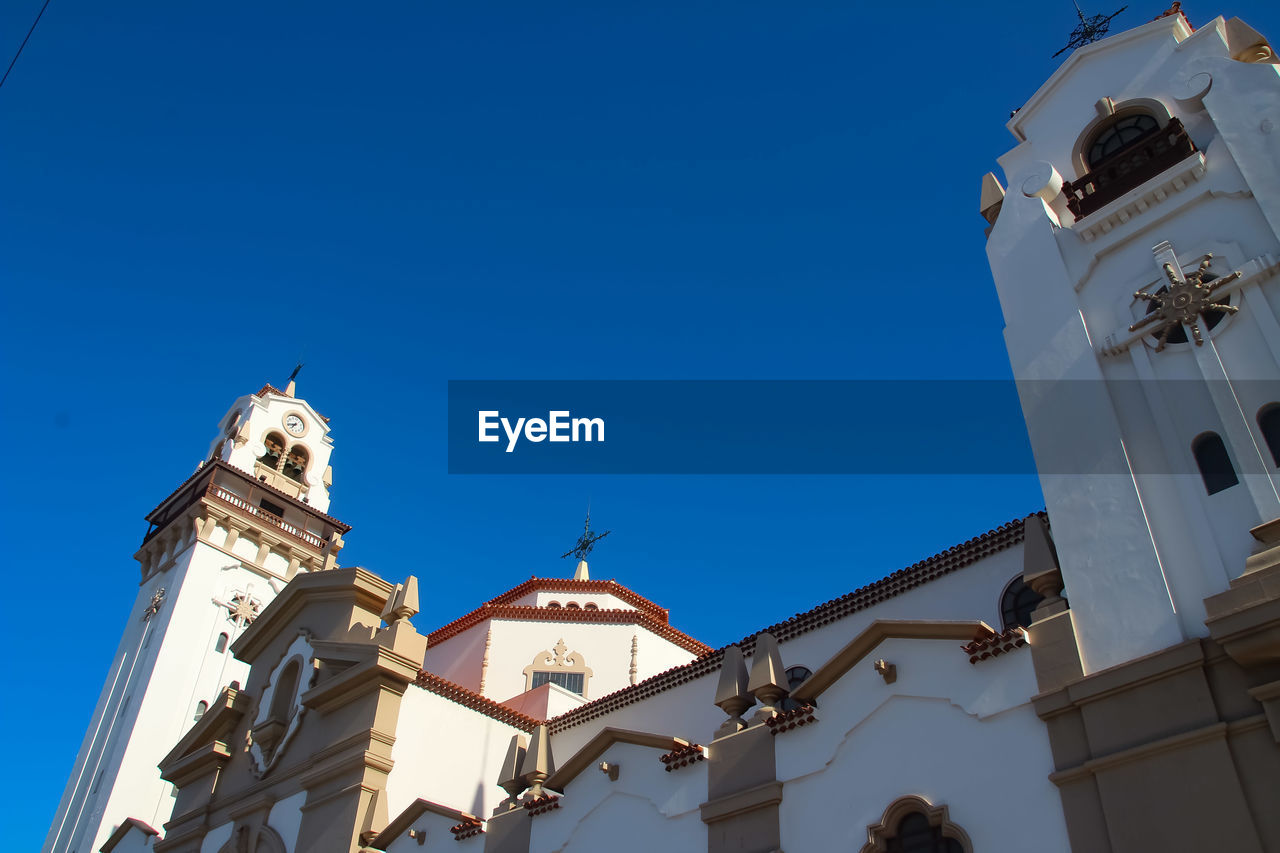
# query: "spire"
[[290, 389], [581, 573]]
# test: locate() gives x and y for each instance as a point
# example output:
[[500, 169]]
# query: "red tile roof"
[[433, 683], [950, 560], [650, 616], [270, 389], [611, 587]]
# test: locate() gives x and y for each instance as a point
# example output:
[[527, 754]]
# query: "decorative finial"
[[289, 389], [586, 542], [1089, 29]]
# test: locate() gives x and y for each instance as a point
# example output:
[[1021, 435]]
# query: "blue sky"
[[402, 194]]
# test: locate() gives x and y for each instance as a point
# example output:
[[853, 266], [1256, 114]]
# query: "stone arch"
[[879, 835], [1124, 109]]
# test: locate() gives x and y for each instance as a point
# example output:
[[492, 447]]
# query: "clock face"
[[295, 425]]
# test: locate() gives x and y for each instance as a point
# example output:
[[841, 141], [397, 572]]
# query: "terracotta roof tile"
[[995, 644], [542, 805], [270, 389], [611, 587], [643, 618], [466, 829], [950, 560], [786, 721], [433, 683], [683, 756]]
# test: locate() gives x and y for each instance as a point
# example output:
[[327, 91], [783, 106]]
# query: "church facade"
[[1101, 676]]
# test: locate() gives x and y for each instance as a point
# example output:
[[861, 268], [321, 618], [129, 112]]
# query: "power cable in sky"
[[13, 61]]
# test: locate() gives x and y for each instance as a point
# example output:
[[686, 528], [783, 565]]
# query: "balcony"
[[1130, 167], [235, 501]]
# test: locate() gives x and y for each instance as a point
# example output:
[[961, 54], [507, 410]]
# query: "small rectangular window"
[[571, 681], [274, 509]]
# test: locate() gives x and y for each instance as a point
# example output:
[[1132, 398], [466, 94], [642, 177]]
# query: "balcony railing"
[[1136, 164], [231, 499]]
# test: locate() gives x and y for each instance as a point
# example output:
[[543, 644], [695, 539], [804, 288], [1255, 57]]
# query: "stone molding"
[[594, 748], [876, 633], [879, 835], [733, 805]]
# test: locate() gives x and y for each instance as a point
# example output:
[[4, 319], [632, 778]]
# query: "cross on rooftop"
[[586, 541], [1089, 29]]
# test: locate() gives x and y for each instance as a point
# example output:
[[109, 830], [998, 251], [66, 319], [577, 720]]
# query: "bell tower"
[[1136, 256], [216, 552], [1137, 259]]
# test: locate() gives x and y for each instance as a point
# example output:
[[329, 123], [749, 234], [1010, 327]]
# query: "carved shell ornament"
[[1183, 302]]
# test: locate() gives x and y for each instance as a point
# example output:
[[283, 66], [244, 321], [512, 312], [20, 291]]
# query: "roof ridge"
[[570, 584], [561, 614]]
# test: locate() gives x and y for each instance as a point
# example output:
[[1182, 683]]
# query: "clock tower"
[[216, 552]]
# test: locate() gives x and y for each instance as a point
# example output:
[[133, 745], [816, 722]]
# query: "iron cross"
[[586, 541]]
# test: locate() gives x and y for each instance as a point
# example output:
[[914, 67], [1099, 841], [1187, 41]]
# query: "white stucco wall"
[[645, 808], [958, 734], [605, 648], [447, 754]]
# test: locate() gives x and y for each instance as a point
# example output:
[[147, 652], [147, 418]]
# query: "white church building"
[[1102, 676]]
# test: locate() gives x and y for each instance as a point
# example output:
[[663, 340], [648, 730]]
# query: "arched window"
[[1269, 423], [275, 450], [201, 707], [914, 834], [1214, 463], [286, 687], [590, 605], [1132, 147], [295, 463], [220, 645], [913, 825], [553, 605], [572, 605], [1017, 603], [1123, 133]]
